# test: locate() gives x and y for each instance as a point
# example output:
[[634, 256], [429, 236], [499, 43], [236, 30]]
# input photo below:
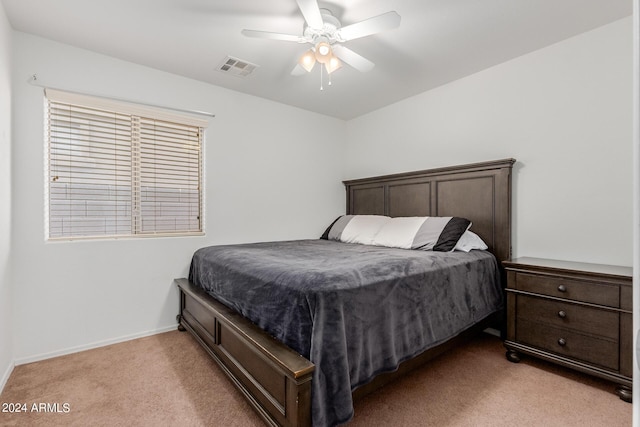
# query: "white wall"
[[267, 178], [564, 112], [6, 333]]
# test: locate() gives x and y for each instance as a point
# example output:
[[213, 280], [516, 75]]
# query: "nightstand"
[[574, 314]]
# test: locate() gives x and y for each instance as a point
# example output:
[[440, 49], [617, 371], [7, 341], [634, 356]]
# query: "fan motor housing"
[[329, 30]]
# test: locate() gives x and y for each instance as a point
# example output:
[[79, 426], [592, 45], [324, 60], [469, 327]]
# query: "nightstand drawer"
[[595, 293], [560, 314], [599, 351]]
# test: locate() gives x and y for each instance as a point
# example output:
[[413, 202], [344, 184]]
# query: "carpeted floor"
[[168, 380]]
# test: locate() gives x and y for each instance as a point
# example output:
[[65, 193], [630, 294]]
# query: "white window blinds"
[[117, 169]]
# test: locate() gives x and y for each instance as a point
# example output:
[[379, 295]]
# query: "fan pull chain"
[[321, 78]]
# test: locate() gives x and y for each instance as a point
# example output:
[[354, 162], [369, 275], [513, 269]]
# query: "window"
[[118, 169]]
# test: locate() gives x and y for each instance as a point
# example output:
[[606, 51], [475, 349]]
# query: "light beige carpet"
[[168, 380]]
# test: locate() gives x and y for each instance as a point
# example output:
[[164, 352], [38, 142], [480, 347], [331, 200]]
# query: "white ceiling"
[[438, 40]]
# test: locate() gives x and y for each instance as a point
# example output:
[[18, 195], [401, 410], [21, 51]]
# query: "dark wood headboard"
[[480, 192]]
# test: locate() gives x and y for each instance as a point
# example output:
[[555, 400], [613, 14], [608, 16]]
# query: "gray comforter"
[[353, 310]]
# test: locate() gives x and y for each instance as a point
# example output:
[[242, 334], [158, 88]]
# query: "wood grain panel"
[[257, 369], [471, 198], [591, 349], [626, 297], [206, 321], [559, 287], [626, 344], [409, 199], [367, 200], [585, 319]]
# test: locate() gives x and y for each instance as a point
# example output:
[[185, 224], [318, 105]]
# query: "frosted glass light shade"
[[323, 52], [308, 60], [333, 64]]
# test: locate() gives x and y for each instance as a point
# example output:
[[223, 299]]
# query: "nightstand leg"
[[180, 327], [624, 392], [512, 356]]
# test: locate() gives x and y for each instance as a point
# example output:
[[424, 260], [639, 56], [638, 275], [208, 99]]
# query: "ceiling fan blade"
[[298, 70], [386, 21], [311, 12], [357, 61], [273, 36]]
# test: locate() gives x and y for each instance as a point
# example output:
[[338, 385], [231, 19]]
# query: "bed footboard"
[[275, 379]]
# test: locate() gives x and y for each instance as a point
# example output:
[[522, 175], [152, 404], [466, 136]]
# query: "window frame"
[[137, 113]]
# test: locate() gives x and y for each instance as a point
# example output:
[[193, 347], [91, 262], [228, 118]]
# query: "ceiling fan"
[[325, 33]]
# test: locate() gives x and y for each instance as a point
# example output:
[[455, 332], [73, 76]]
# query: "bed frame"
[[275, 379]]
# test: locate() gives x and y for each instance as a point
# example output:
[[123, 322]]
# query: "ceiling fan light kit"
[[324, 32]]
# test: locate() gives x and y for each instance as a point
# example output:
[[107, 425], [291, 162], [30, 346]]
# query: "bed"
[[265, 338]]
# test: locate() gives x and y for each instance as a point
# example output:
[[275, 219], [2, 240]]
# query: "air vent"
[[236, 67]]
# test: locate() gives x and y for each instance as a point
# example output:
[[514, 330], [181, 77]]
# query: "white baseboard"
[[63, 352], [493, 331], [6, 375]]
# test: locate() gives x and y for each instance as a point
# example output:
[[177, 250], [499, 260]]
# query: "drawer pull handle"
[[562, 288], [562, 342], [562, 314]]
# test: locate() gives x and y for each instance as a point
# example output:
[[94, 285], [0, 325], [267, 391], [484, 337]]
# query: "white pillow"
[[363, 229], [399, 232], [428, 233], [470, 240]]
